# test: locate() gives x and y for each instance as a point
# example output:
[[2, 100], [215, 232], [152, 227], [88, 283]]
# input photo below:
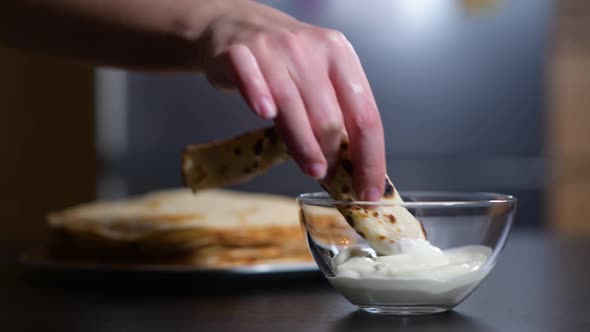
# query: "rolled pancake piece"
[[237, 160], [217, 164]]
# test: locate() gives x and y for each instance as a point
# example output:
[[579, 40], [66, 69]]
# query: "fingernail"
[[266, 108], [316, 170], [371, 194]]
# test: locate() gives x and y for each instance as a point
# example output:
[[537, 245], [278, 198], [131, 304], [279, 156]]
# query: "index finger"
[[363, 124]]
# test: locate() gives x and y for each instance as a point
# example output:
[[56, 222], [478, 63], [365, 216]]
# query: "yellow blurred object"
[[569, 118]]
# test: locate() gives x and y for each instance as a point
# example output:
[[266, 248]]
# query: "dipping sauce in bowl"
[[466, 232]]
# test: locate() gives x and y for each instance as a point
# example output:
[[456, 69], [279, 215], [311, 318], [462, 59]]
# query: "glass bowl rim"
[[322, 198]]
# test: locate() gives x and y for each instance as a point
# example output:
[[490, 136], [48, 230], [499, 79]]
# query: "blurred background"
[[475, 95]]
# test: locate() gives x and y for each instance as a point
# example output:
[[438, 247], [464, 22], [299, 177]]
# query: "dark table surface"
[[541, 283]]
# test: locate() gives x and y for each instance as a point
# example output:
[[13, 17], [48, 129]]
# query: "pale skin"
[[307, 79]]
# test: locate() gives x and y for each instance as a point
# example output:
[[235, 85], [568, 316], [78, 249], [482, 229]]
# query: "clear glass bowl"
[[470, 221]]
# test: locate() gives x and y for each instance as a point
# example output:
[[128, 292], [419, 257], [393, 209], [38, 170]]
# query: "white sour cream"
[[420, 274]]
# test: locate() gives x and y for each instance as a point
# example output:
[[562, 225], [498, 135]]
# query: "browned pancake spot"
[[375, 214], [258, 147], [391, 218], [271, 135], [349, 220], [382, 237], [347, 165]]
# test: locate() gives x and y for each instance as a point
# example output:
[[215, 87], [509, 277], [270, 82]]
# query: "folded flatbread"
[[217, 164]]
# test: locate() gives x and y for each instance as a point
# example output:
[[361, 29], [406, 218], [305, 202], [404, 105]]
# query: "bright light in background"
[[420, 14], [416, 10], [414, 20]]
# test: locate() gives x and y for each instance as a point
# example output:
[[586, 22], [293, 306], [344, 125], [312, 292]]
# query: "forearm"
[[133, 34], [307, 79]]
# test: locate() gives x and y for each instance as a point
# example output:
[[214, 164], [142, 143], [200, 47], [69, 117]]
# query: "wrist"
[[193, 25]]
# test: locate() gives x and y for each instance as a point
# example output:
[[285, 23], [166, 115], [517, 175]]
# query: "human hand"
[[309, 80]]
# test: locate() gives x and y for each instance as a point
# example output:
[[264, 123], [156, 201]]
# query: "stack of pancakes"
[[211, 229]]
